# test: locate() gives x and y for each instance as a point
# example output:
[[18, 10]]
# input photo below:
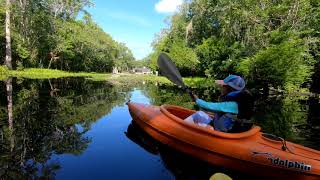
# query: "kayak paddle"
[[220, 176], [169, 70]]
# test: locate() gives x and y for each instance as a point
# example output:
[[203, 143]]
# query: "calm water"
[[81, 129]]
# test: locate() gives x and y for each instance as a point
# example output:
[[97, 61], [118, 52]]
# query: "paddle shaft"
[[169, 70]]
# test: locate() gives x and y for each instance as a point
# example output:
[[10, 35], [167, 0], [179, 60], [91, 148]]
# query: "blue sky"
[[133, 22]]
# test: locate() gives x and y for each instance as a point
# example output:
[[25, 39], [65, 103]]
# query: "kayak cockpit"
[[178, 114]]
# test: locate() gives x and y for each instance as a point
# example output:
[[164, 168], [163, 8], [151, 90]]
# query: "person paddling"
[[232, 112]]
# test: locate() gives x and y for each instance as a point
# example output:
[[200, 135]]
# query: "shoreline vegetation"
[[125, 78], [38, 73], [121, 78]]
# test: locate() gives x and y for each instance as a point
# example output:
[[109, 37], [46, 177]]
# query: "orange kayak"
[[251, 152]]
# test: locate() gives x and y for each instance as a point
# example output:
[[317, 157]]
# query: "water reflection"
[[289, 117], [41, 119], [49, 117], [10, 105], [181, 165]]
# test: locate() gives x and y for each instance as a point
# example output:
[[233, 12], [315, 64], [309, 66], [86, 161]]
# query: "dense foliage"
[[60, 35], [271, 43]]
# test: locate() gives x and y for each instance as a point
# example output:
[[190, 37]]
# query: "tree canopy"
[[270, 43], [61, 35]]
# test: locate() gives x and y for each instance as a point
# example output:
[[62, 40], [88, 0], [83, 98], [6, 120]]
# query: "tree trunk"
[[8, 61]]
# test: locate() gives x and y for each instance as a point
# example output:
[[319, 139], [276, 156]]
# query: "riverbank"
[[193, 82], [37, 73], [124, 78], [129, 79]]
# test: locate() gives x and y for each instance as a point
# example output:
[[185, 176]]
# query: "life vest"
[[245, 102], [240, 122]]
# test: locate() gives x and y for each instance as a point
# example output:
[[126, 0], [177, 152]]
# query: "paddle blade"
[[220, 176], [169, 70]]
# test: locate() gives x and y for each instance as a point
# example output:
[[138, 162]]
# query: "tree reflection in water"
[[48, 117], [51, 117]]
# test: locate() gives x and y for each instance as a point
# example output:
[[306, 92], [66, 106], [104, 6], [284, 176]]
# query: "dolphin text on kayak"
[[290, 164]]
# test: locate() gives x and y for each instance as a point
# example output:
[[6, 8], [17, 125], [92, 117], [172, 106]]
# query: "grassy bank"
[[35, 73], [126, 79], [194, 82]]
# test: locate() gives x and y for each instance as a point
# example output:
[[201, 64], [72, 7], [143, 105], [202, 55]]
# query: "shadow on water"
[[181, 165]]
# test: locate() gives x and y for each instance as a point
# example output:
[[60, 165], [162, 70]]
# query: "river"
[[74, 128]]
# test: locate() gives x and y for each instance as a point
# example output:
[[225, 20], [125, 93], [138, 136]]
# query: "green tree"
[[247, 37], [48, 34], [124, 58], [282, 65], [217, 58]]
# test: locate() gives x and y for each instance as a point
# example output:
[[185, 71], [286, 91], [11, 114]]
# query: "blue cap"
[[234, 81]]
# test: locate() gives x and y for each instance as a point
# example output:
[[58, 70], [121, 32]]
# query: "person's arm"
[[227, 107]]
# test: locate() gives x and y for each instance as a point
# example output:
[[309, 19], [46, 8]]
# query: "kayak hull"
[[247, 152]]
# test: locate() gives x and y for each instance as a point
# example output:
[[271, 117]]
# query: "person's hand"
[[195, 96]]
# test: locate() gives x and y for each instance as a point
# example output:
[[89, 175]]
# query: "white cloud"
[[167, 6]]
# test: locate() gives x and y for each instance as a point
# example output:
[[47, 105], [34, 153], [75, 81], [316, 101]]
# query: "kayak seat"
[[178, 114], [239, 128], [184, 113]]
